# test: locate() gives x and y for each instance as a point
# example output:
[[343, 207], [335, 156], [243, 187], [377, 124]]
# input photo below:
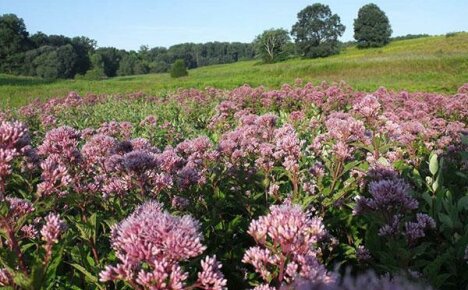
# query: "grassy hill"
[[434, 64]]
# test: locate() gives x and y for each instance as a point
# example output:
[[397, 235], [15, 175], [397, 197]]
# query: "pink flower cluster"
[[257, 144], [151, 243], [14, 142], [53, 228], [287, 239]]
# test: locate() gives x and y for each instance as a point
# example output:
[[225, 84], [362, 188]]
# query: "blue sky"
[[129, 24]]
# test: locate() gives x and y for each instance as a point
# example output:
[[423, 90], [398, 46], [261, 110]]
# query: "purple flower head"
[[179, 202], [286, 231], [138, 161], [122, 147], [391, 196], [380, 172], [176, 238], [362, 254], [342, 151], [343, 127], [153, 237], [6, 157], [98, 149], [211, 277], [392, 227], [13, 135], [149, 120], [416, 230], [367, 107], [114, 163], [116, 186], [63, 142], [116, 129], [55, 177], [318, 170], [29, 231], [142, 144], [288, 147], [53, 229], [18, 208], [169, 161]]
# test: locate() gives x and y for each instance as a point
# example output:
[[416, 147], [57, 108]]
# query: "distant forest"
[[58, 56]]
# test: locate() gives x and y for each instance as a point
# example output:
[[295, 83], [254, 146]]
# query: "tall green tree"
[[317, 30], [14, 39], [83, 47], [273, 45], [372, 27]]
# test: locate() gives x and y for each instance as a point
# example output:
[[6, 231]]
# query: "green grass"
[[432, 64]]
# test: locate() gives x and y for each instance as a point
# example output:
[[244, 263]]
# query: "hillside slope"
[[434, 64]]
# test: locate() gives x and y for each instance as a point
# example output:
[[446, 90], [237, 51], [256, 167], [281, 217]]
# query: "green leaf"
[[85, 231], [89, 276], [463, 203], [437, 183], [93, 223], [445, 219], [22, 281], [427, 198], [440, 279], [349, 166], [433, 164], [37, 275], [51, 271]]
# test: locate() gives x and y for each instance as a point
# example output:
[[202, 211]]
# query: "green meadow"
[[430, 64]]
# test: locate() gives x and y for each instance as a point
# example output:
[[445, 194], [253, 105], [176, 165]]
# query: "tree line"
[[315, 34], [58, 56]]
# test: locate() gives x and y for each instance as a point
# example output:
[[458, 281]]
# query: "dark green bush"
[[178, 69]]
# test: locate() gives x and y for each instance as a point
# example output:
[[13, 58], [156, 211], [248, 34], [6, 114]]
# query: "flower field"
[[304, 187]]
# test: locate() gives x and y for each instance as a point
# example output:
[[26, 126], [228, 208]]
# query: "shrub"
[[92, 75], [178, 69]]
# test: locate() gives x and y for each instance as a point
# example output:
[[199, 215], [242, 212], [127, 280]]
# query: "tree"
[[159, 67], [14, 39], [110, 59], [178, 69], [39, 39], [131, 65], [272, 45], [55, 62], [317, 30], [372, 27], [83, 47]]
